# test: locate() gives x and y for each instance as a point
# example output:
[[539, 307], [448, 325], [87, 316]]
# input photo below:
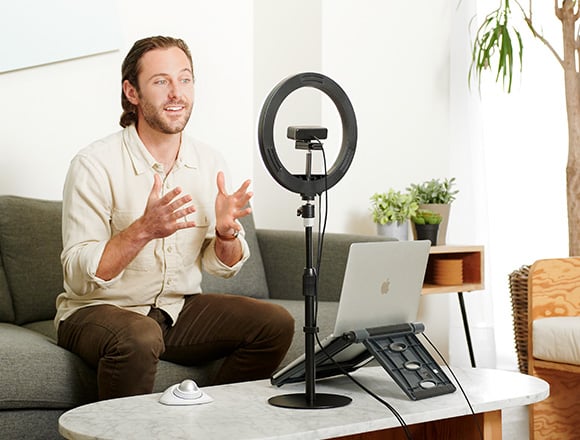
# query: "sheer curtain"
[[512, 148]]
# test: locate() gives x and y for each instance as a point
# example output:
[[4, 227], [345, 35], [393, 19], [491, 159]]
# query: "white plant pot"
[[397, 230]]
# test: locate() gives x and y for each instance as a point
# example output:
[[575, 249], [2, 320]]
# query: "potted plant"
[[427, 225], [436, 195], [391, 212]]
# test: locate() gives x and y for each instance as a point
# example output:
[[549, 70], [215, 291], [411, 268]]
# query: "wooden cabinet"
[[472, 269], [470, 277]]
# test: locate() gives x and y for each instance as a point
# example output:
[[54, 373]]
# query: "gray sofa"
[[40, 380]]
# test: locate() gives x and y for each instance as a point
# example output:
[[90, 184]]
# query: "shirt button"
[[169, 249]]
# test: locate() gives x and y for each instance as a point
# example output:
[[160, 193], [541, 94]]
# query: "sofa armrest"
[[284, 257]]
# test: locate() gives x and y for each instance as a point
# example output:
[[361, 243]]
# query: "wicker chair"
[[518, 281], [554, 291]]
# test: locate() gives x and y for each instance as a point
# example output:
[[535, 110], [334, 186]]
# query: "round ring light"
[[316, 184]]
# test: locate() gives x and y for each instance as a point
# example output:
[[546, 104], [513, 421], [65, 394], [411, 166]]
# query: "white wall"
[[50, 112], [287, 41], [397, 81]]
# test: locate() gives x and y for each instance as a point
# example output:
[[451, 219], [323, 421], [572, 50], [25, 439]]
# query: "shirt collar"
[[187, 156], [142, 159]]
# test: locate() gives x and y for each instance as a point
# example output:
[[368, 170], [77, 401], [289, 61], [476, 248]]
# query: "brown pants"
[[252, 335]]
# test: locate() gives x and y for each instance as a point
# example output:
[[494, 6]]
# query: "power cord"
[[458, 384], [369, 392], [322, 232]]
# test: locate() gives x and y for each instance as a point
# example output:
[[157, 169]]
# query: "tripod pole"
[[309, 399], [309, 291]]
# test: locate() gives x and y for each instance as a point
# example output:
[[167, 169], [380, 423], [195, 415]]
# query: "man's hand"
[[229, 207], [162, 214]]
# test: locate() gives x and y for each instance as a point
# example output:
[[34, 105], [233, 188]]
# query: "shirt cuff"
[[93, 258], [213, 265]]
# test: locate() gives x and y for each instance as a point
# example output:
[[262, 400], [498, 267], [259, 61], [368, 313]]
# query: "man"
[[143, 211]]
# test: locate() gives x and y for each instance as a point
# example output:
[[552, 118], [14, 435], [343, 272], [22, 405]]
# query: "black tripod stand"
[[309, 399]]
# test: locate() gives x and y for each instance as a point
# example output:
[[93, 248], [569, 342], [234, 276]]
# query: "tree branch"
[[536, 34], [557, 10]]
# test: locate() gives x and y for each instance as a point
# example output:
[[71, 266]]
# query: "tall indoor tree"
[[498, 44]]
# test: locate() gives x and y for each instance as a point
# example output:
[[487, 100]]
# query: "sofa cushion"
[[6, 307], [557, 339], [31, 424], [45, 328], [30, 234], [36, 373], [251, 279]]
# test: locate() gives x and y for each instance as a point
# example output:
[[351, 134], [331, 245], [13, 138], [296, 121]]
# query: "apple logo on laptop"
[[385, 286]]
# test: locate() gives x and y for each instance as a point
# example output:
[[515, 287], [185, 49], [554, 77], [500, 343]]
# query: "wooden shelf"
[[472, 259]]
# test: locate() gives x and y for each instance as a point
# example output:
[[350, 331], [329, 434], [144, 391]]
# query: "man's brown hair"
[[132, 66]]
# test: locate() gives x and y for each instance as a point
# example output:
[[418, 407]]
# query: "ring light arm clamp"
[[315, 184]]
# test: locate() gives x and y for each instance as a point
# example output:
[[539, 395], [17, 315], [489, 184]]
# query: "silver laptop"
[[382, 286]]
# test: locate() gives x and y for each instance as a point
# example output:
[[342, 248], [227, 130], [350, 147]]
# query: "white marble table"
[[241, 411]]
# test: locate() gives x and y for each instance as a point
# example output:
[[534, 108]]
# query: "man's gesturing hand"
[[229, 207], [163, 214]]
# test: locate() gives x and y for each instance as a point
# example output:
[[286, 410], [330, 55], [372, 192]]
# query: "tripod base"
[[300, 401]]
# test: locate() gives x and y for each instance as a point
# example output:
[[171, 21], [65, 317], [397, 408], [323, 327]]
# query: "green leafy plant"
[[434, 191], [494, 39], [393, 206], [427, 217]]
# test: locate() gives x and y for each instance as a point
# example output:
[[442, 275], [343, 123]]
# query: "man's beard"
[[155, 118]]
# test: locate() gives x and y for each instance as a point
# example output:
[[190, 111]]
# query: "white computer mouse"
[[185, 393]]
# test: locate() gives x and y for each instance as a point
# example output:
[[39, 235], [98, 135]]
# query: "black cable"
[[369, 392], [458, 384], [322, 231]]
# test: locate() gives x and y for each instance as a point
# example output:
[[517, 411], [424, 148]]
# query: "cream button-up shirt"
[[106, 190]]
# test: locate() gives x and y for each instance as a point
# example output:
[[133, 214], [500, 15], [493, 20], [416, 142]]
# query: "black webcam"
[[306, 133]]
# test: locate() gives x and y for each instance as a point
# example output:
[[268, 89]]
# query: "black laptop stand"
[[395, 347]]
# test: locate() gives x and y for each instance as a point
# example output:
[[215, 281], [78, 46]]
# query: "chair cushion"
[[557, 339]]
